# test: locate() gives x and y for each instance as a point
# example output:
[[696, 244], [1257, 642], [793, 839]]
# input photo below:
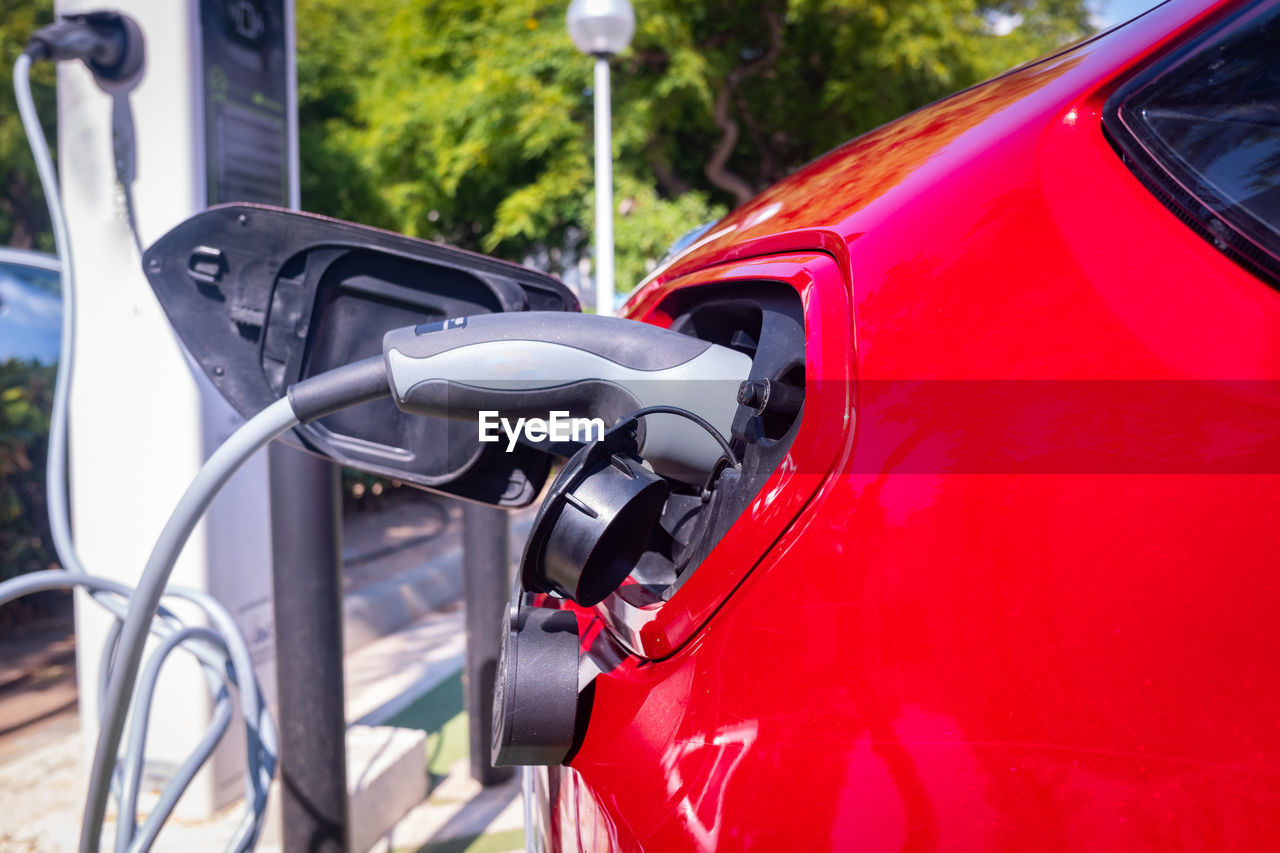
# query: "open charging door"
[[264, 297]]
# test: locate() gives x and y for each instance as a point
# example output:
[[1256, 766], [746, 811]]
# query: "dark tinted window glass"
[[1211, 119]]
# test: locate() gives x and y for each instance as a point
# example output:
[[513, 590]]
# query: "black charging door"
[[263, 297]]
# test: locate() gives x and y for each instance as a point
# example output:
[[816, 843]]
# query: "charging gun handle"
[[528, 364]]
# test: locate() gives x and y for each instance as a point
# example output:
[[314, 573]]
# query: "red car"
[[1011, 585]]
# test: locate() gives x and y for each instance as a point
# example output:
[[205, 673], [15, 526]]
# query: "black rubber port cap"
[[596, 521], [535, 702]]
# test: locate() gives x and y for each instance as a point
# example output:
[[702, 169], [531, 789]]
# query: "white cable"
[[57, 464], [261, 732]]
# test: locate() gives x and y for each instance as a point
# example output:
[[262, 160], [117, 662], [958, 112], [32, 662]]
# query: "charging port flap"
[[263, 297]]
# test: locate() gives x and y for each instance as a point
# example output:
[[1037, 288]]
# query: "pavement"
[[458, 815], [404, 649], [38, 682]]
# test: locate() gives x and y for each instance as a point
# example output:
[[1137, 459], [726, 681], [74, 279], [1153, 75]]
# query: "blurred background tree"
[[469, 121], [26, 395]]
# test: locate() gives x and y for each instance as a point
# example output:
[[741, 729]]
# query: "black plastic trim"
[[360, 382], [264, 298], [1188, 204]]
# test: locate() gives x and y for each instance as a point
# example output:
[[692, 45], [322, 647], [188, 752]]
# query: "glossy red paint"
[[979, 659]]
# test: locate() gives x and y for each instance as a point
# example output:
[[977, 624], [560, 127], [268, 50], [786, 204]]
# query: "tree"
[[468, 121], [24, 219]]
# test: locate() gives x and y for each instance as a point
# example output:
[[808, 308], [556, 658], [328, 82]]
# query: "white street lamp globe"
[[601, 27]]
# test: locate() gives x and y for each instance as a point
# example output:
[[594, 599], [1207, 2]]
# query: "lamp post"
[[602, 28]]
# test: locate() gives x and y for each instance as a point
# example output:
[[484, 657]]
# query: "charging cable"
[[307, 400], [110, 44], [227, 660]]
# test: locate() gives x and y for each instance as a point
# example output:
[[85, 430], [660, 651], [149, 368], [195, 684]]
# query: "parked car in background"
[[30, 306], [1012, 584], [30, 333]]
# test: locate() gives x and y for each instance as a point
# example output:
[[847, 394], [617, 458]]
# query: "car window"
[[46, 281], [30, 314], [1204, 127]]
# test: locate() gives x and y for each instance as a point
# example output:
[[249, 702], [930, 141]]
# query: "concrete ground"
[[404, 640], [37, 682], [458, 814]]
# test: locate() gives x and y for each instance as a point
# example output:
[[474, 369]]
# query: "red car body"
[[921, 642]]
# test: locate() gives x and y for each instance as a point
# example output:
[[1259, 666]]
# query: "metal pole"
[[485, 558], [306, 552], [604, 190]]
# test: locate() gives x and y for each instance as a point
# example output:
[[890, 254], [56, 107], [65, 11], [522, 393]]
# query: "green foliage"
[[24, 221], [469, 121], [26, 396], [647, 224]]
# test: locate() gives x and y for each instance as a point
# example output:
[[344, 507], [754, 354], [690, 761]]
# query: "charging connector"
[[109, 43]]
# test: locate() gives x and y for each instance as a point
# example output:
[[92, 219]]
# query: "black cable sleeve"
[[358, 382]]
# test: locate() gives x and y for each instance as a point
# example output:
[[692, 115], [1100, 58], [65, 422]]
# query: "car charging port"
[[613, 531], [764, 321]]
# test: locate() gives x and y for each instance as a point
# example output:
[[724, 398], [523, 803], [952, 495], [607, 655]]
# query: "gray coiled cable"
[[223, 659]]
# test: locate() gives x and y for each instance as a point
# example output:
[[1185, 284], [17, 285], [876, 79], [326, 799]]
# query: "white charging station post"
[[213, 118]]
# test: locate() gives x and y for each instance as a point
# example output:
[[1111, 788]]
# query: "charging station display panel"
[[246, 101]]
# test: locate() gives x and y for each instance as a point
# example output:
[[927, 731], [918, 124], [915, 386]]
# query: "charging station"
[[212, 119]]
